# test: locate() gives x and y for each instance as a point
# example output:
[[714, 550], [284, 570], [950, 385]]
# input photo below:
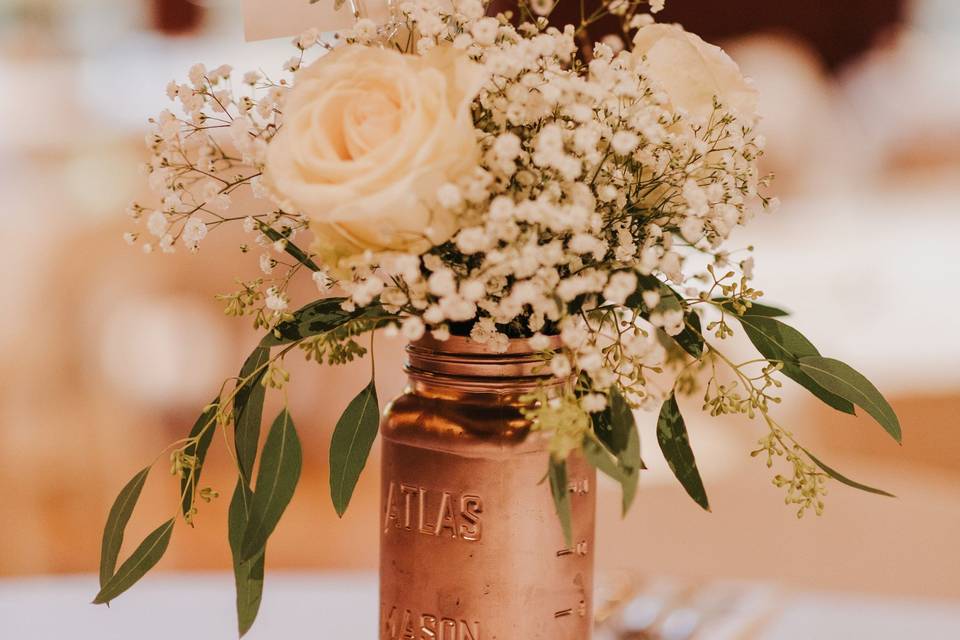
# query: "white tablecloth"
[[344, 606]]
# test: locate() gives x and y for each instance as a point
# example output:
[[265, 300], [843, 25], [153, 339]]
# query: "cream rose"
[[368, 137], [692, 72]]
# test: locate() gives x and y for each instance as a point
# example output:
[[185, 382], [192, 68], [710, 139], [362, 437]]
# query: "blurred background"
[[107, 354]]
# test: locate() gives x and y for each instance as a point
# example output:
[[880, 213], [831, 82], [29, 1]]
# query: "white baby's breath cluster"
[[209, 145], [590, 180], [593, 181]]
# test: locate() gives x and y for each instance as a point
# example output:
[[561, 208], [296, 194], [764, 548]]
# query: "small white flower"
[[472, 290], [449, 197], [641, 20], [613, 41], [365, 29], [691, 229], [594, 402], [157, 223], [590, 360], [473, 240], [651, 298], [539, 342], [507, 146], [308, 38], [670, 321], [671, 264], [471, 9], [275, 300], [249, 224], [259, 190], [197, 75], [485, 31], [560, 366], [129, 237], [322, 280], [194, 230], [624, 142], [442, 283], [166, 244], [433, 314], [620, 286], [412, 328], [266, 263]]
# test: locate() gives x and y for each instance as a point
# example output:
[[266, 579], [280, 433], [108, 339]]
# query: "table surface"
[[322, 606]]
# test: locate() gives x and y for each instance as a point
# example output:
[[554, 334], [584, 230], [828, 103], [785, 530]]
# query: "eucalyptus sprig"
[[257, 504]]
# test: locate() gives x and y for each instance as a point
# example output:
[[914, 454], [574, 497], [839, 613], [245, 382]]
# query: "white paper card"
[[264, 19]]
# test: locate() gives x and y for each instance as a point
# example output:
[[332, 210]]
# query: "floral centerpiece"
[[454, 173]]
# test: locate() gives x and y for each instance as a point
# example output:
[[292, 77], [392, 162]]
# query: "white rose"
[[692, 72], [368, 137]]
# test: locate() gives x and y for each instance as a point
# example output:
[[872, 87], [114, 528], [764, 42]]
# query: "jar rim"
[[459, 358], [463, 345]]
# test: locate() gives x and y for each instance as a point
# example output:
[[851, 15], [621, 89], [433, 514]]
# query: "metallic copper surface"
[[471, 547]]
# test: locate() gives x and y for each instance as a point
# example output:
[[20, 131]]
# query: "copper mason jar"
[[470, 544]]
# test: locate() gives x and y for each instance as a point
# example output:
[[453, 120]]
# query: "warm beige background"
[[106, 354]]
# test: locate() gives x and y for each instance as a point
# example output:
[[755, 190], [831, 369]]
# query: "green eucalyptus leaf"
[[602, 460], [560, 489], [675, 444], [691, 338], [626, 473], [296, 252], [350, 446], [248, 576], [836, 475], [144, 558], [843, 380], [614, 423], [277, 478], [117, 521], [616, 429], [778, 341], [755, 309], [631, 464], [248, 410], [248, 414], [205, 428], [322, 316]]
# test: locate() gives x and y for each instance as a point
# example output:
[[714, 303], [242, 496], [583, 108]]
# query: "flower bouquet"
[[453, 175]]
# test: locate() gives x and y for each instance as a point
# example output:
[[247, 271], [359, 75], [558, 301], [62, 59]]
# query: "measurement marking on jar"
[[581, 549], [563, 613], [579, 487]]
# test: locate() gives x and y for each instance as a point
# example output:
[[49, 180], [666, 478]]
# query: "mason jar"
[[471, 547]]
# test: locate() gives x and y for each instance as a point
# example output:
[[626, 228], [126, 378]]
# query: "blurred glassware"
[[666, 609]]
